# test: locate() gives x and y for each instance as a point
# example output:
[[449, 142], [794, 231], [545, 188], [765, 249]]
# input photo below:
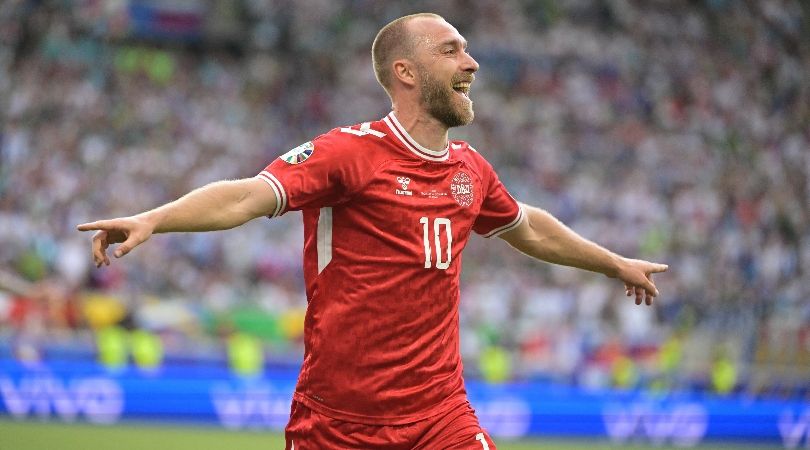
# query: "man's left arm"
[[542, 236]]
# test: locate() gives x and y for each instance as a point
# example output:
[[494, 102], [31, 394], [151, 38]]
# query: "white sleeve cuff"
[[509, 226], [278, 189]]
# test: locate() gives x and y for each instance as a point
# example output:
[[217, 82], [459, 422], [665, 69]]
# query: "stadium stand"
[[674, 131]]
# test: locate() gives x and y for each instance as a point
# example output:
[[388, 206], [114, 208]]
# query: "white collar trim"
[[411, 144]]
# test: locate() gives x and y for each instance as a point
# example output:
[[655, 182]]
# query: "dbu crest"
[[461, 188]]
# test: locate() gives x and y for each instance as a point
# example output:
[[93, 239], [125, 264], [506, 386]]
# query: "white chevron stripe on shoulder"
[[509, 226]]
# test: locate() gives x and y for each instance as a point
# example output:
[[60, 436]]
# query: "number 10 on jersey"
[[443, 258]]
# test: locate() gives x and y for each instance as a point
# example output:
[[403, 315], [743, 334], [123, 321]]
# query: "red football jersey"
[[385, 222]]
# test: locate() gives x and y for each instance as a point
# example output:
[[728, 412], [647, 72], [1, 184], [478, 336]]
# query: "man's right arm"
[[217, 206]]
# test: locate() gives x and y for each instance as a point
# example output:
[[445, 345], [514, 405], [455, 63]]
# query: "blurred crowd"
[[672, 131]]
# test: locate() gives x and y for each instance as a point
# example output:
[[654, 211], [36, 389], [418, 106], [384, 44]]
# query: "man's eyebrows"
[[453, 41]]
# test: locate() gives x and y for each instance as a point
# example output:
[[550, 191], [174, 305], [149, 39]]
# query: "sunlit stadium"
[[670, 131]]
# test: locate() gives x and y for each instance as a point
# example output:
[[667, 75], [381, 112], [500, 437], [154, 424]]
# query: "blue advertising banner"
[[209, 393]]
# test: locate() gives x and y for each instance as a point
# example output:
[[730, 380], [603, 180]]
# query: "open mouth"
[[463, 88]]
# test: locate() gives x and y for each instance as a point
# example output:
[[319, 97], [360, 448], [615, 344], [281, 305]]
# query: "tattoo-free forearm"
[[217, 206], [544, 237]]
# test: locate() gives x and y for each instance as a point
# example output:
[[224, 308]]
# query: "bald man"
[[388, 207]]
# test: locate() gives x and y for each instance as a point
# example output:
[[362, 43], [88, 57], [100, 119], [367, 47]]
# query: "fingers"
[[638, 280], [639, 295], [110, 232], [101, 241], [649, 288], [99, 248], [122, 250], [133, 240], [97, 225], [644, 293]]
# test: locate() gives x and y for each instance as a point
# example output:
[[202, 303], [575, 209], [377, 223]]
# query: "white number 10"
[[442, 261]]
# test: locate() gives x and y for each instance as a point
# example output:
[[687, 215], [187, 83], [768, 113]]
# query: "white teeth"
[[463, 88]]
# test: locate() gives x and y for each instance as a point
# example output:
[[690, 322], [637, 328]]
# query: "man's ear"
[[404, 72]]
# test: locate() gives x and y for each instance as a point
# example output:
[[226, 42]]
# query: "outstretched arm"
[[217, 206], [544, 237]]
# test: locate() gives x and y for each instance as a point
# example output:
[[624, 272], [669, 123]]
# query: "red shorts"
[[455, 430]]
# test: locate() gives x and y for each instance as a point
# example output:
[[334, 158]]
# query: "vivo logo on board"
[[682, 425], [794, 428], [98, 400], [252, 406]]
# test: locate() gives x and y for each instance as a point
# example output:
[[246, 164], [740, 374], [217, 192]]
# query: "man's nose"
[[469, 64]]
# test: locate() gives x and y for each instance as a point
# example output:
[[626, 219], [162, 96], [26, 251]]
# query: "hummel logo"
[[403, 181]]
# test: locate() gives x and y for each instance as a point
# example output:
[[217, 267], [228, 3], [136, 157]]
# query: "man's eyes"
[[451, 50]]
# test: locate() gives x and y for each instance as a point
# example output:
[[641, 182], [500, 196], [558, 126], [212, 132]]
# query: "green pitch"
[[60, 436]]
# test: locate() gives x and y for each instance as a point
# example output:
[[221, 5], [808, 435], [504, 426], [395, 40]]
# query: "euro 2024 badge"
[[462, 189], [299, 154]]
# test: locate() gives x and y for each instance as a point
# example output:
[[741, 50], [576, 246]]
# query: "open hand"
[[128, 231], [637, 277]]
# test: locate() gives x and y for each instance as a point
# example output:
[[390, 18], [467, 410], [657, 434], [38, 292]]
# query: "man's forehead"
[[434, 31]]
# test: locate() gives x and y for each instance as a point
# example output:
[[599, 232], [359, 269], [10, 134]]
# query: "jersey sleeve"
[[500, 212], [319, 173]]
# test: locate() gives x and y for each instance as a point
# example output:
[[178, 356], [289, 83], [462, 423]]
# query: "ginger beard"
[[451, 107]]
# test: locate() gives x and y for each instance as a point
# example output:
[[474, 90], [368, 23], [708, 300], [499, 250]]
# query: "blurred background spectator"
[[673, 131]]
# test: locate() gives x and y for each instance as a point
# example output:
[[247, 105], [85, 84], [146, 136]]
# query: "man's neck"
[[423, 128]]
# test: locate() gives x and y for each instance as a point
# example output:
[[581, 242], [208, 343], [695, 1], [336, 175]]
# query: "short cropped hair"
[[393, 42]]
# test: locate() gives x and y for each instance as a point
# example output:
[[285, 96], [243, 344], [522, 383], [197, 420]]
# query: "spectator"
[[684, 124]]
